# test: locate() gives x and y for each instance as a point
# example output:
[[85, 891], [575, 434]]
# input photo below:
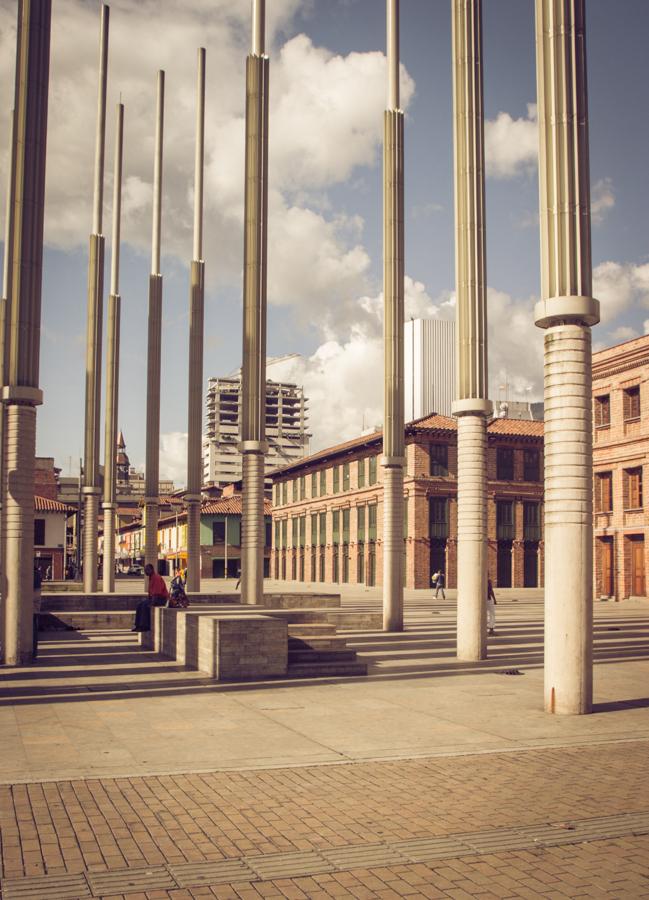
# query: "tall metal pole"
[[253, 387], [112, 368], [196, 304], [91, 487], [471, 406], [20, 393], [566, 311], [5, 318], [393, 288], [152, 466]]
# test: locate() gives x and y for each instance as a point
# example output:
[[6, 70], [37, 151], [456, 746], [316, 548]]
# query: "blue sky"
[[327, 96]]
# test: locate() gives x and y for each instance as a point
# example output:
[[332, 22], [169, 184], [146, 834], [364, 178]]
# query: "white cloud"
[[619, 286], [602, 199], [325, 120], [511, 145], [624, 333], [515, 347], [173, 457]]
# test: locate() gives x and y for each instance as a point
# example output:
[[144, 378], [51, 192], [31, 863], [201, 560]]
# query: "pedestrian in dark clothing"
[[36, 610], [491, 608], [158, 596]]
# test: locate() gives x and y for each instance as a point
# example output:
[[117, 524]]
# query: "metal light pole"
[[471, 406], [152, 466], [20, 393], [566, 311], [393, 289], [253, 377], [91, 489], [112, 368], [196, 310]]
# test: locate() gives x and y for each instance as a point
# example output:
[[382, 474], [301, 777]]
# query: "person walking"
[[36, 610], [438, 584], [157, 596], [491, 608]]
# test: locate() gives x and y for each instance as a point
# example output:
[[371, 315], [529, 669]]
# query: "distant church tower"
[[122, 462]]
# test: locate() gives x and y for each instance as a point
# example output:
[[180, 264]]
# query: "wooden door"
[[637, 567], [606, 554]]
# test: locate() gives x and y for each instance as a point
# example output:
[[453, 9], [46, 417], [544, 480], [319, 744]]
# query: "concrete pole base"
[[20, 449], [90, 522], [252, 528], [568, 521], [194, 545], [108, 579], [472, 538], [393, 549]]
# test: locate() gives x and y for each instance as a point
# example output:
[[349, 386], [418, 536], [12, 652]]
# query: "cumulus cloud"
[[619, 286], [173, 457], [602, 199], [325, 120], [511, 145]]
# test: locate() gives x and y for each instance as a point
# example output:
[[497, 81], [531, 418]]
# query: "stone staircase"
[[315, 649]]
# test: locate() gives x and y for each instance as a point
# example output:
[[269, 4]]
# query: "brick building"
[[620, 455], [328, 509]]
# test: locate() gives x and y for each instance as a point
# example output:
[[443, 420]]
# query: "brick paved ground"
[[113, 824]]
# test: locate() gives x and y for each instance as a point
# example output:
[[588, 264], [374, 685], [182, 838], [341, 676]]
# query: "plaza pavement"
[[124, 775]]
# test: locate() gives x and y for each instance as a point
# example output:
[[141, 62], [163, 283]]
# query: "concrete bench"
[[227, 646]]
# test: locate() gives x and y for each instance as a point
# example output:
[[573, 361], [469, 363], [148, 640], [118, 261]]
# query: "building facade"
[[50, 518], [220, 539], [328, 516], [286, 428], [429, 367], [620, 459]]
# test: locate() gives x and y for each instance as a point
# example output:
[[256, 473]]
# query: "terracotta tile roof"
[[434, 422], [230, 506], [44, 504], [516, 427], [431, 424]]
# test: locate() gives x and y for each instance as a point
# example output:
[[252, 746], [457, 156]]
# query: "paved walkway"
[[123, 775]]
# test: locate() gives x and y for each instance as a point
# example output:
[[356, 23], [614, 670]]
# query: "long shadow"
[[616, 705], [433, 644]]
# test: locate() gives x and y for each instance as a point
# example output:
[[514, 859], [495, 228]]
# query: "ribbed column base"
[[193, 545], [568, 520], [90, 522], [108, 579], [393, 548], [471, 537], [20, 449], [151, 535], [252, 528]]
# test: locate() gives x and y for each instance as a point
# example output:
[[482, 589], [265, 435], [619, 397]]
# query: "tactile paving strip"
[[317, 862], [128, 881], [222, 871], [54, 887]]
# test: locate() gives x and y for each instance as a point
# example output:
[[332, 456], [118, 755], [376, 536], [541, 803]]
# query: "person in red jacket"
[[158, 596]]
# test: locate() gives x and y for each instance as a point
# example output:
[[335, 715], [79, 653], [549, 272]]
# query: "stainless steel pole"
[[393, 290], [20, 393], [566, 311], [196, 315], [152, 466], [91, 488], [112, 368], [471, 406], [253, 387]]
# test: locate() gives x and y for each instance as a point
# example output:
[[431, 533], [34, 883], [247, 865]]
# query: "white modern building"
[[429, 367], [286, 428]]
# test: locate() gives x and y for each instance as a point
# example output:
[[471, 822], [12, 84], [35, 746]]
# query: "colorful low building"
[[50, 518], [328, 508]]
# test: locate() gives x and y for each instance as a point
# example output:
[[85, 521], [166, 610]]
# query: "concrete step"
[[343, 655], [86, 621], [326, 670], [315, 628], [326, 642]]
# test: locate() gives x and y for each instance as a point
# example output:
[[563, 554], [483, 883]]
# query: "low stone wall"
[[98, 602], [225, 646]]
